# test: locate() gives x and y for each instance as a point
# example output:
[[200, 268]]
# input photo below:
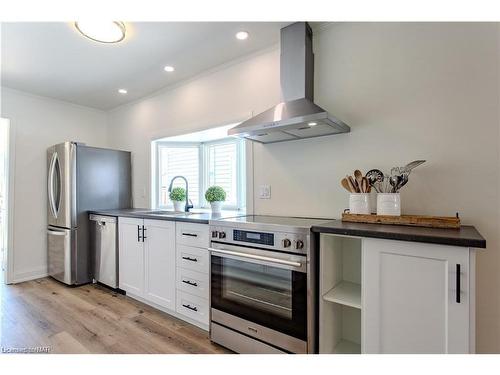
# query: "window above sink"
[[204, 158]]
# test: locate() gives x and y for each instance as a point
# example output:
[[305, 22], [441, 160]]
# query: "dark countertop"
[[466, 236], [192, 217]]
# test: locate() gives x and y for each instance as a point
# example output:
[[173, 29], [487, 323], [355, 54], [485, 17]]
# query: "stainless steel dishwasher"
[[104, 242]]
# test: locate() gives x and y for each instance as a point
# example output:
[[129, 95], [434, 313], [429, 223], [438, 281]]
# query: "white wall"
[[408, 91], [36, 124], [220, 97]]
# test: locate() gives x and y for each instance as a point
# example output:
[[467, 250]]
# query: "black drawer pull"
[[138, 233], [190, 259], [190, 307], [190, 234], [190, 282], [143, 236], [458, 283]]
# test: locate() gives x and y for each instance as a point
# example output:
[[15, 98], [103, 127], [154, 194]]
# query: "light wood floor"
[[91, 319]]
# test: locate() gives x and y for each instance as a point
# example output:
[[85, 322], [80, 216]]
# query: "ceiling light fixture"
[[312, 124], [122, 91], [103, 32], [169, 68], [242, 35]]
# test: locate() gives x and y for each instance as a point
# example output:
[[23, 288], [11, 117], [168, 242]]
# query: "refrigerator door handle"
[[50, 185]]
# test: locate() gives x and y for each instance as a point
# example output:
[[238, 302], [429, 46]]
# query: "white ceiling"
[[52, 59]]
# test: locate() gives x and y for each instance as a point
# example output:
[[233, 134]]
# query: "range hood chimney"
[[297, 116]]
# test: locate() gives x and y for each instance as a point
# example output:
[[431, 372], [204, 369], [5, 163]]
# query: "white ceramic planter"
[[216, 207], [389, 204], [179, 206], [359, 203]]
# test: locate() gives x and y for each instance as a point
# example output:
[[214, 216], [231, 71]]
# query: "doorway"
[[4, 187]]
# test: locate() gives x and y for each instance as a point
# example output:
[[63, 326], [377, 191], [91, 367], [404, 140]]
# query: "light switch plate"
[[265, 192]]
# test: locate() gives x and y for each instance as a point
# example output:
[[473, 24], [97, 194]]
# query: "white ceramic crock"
[[389, 204], [359, 203], [179, 206], [216, 207]]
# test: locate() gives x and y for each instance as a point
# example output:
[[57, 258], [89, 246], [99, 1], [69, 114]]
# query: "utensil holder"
[[359, 203], [389, 204]]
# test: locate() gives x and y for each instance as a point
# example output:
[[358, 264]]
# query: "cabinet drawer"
[[190, 234], [192, 282], [192, 258], [193, 307]]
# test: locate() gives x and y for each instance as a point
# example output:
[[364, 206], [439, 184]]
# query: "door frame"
[[9, 210]]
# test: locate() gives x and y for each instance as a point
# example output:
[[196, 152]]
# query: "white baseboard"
[[20, 277]]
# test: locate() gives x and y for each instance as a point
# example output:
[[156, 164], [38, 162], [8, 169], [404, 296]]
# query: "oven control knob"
[[215, 234], [222, 234], [287, 242], [299, 244]]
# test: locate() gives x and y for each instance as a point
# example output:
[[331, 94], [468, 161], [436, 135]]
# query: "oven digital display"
[[254, 237]]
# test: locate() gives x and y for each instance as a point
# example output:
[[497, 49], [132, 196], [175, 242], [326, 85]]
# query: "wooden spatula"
[[345, 184]]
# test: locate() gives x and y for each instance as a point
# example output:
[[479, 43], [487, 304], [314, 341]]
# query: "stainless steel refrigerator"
[[81, 178]]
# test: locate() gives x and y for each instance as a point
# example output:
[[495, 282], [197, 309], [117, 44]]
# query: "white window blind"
[[179, 160], [222, 169], [204, 164]]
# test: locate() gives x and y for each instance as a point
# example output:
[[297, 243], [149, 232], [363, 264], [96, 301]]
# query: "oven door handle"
[[257, 257]]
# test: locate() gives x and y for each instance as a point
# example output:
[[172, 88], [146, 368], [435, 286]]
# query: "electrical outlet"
[[265, 192]]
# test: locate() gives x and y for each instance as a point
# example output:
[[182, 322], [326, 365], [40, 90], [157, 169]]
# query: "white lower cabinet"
[[386, 296], [416, 298], [192, 282], [165, 263], [130, 255], [193, 307], [160, 262], [193, 272], [147, 260]]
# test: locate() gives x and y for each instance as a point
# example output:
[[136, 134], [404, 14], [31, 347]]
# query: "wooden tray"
[[411, 220]]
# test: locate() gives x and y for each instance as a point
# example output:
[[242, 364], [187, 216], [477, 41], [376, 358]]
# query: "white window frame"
[[203, 171]]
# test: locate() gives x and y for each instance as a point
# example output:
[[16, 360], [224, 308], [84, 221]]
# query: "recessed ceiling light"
[[104, 32], [169, 68], [122, 91], [312, 124], [242, 35]]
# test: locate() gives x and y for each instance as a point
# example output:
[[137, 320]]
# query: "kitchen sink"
[[163, 212]]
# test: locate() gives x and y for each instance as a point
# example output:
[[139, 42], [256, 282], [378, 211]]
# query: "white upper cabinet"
[[415, 298], [131, 256], [160, 257]]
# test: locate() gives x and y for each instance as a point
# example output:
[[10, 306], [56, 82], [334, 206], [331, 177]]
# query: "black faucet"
[[188, 206]]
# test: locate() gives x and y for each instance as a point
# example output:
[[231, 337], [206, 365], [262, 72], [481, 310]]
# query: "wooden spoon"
[[345, 184], [364, 185], [352, 184], [359, 179]]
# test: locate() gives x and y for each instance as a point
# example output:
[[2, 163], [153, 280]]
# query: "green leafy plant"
[[215, 194], [178, 194]]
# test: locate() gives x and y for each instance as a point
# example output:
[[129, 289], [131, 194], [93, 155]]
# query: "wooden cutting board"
[[410, 220]]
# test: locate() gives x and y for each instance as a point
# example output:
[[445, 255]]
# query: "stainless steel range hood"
[[297, 116]]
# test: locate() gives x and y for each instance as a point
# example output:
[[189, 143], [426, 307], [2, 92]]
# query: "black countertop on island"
[[147, 213], [466, 236]]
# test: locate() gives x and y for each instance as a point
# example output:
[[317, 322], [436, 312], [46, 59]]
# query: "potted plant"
[[215, 195], [178, 197]]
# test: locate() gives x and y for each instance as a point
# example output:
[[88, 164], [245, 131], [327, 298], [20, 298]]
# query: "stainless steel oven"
[[261, 285]]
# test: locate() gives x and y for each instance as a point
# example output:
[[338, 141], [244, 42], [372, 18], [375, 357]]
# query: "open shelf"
[[347, 347], [340, 295], [345, 293]]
